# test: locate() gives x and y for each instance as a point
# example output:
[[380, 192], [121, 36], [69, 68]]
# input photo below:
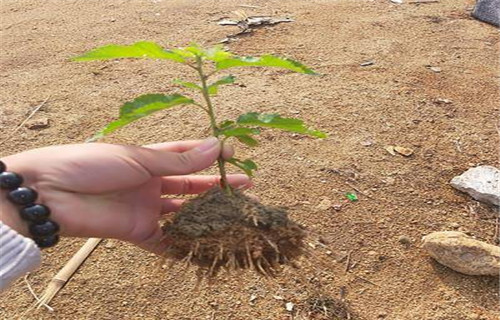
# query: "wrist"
[[20, 211]]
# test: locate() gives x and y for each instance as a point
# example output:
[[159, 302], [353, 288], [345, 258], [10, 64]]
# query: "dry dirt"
[[364, 109]]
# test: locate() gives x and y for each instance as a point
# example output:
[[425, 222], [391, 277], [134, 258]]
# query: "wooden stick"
[[65, 274], [25, 120]]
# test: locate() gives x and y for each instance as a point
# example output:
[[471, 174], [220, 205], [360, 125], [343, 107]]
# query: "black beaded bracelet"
[[42, 229]]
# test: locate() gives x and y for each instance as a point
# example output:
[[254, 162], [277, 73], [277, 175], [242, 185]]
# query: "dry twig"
[[30, 289], [249, 6], [348, 262], [423, 1], [25, 120], [368, 281]]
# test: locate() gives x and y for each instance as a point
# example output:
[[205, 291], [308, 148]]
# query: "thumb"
[[166, 163]]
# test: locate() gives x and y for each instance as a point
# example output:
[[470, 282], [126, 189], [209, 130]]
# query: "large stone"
[[461, 253], [482, 183], [487, 11]]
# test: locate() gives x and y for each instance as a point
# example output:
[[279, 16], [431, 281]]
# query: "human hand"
[[115, 191]]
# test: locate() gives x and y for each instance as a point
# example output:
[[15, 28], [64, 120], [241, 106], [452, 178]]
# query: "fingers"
[[199, 184], [175, 146], [183, 146], [227, 151], [171, 205], [159, 162]]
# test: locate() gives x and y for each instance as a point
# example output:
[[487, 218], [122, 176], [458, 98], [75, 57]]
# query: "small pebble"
[[325, 204], [454, 225], [109, 244], [41, 123], [366, 143], [404, 240]]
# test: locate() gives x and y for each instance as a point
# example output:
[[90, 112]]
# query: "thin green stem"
[[213, 123]]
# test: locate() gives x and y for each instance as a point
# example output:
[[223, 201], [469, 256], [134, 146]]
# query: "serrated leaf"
[[263, 61], [141, 107], [142, 49], [276, 121], [213, 88], [186, 84], [248, 166]]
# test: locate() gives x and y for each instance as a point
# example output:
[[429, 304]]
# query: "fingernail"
[[207, 144]]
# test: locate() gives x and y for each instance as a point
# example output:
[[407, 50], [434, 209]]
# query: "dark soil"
[[215, 231]]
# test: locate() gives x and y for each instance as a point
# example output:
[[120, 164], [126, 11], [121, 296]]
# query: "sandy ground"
[[364, 109]]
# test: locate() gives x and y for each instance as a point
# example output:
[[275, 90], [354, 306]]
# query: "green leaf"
[[213, 88], [277, 122], [248, 140], [226, 124], [141, 107], [189, 85], [143, 49], [189, 52], [263, 61], [217, 53], [239, 131], [351, 196], [248, 166]]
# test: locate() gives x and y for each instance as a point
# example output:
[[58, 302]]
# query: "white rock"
[[461, 253], [289, 306], [481, 183]]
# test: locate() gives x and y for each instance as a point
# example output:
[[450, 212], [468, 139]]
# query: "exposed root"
[[216, 232]]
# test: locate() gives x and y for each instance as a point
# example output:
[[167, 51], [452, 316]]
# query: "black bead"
[[47, 242], [44, 229], [3, 167], [22, 196], [35, 213], [10, 180]]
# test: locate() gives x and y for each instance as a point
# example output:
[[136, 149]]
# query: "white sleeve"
[[18, 255]]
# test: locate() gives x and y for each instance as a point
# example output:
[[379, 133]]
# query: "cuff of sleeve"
[[18, 255]]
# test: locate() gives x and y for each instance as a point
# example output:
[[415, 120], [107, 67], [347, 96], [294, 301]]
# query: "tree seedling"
[[222, 228]]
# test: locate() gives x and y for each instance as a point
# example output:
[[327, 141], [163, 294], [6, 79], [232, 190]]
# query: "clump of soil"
[[215, 231]]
